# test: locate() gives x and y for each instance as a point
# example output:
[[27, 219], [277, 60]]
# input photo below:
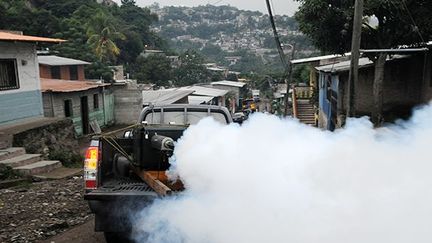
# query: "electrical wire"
[[412, 20], [276, 36]]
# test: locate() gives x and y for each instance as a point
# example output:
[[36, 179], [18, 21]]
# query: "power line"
[[412, 20], [276, 35]]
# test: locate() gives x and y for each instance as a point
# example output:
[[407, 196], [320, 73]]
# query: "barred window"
[[8, 74]]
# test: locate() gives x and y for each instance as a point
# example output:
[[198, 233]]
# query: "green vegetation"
[[154, 69], [117, 35], [7, 173], [67, 158], [97, 33], [398, 23], [191, 70]]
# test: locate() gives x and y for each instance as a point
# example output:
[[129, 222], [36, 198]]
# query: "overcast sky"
[[280, 7]]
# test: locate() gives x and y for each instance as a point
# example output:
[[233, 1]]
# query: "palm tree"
[[102, 34]]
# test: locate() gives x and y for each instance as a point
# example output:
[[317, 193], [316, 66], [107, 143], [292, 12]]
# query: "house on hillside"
[[84, 102], [20, 94], [314, 62], [206, 95], [55, 67], [407, 83], [67, 94], [233, 87]]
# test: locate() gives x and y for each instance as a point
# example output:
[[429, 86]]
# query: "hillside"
[[227, 28]]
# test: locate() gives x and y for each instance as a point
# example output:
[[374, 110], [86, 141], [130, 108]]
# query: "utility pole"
[[355, 55], [289, 81]]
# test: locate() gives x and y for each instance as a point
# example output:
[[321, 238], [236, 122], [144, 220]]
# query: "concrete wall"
[[128, 103], [25, 102], [54, 106], [404, 87]]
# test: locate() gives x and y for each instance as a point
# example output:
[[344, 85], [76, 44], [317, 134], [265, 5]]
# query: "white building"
[[20, 88]]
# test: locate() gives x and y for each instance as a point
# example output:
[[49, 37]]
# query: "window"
[[68, 108], [55, 72], [96, 101], [8, 74], [73, 72], [182, 118]]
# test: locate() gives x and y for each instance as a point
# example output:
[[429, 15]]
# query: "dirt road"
[[80, 234]]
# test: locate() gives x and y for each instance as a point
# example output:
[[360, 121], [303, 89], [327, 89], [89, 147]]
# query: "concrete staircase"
[[305, 112], [26, 164]]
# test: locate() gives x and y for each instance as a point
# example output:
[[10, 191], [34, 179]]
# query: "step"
[[5, 140], [21, 160], [11, 152], [39, 167], [306, 114], [308, 122], [58, 173]]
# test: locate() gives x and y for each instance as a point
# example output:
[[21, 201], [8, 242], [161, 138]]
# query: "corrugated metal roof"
[[318, 58], [197, 100], [59, 61], [229, 83], [6, 36], [345, 66], [204, 91], [164, 96], [65, 86]]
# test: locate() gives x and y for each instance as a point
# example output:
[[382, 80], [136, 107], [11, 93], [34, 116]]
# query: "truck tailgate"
[[121, 187]]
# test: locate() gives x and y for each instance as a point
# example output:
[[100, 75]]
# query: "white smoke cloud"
[[275, 180]]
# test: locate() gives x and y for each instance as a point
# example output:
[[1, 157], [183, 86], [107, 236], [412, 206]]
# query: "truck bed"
[[131, 187]]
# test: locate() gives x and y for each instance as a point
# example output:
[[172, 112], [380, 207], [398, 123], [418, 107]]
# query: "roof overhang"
[[6, 36]]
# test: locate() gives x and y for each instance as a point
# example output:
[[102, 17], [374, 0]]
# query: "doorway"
[[85, 115]]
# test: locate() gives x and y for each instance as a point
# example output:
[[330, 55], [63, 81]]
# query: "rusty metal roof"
[[65, 86], [6, 36]]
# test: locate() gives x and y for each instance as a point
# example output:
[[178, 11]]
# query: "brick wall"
[[44, 71], [64, 72], [81, 75]]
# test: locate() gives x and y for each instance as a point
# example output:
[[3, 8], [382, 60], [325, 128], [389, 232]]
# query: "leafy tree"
[[154, 69], [329, 24], [300, 74], [191, 70]]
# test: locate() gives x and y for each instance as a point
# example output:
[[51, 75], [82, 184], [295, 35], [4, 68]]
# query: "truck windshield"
[[182, 118]]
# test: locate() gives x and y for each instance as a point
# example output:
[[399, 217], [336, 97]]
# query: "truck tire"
[[117, 237]]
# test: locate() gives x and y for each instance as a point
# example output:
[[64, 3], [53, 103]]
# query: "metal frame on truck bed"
[[123, 174]]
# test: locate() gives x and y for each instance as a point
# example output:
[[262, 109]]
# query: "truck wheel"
[[117, 237]]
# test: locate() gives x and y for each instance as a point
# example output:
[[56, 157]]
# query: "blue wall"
[[324, 103], [14, 106]]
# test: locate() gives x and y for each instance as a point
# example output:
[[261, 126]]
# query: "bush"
[[6, 172], [67, 158]]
